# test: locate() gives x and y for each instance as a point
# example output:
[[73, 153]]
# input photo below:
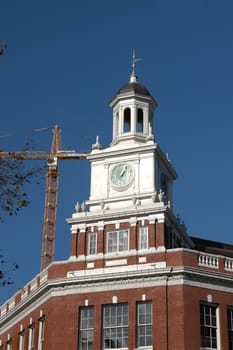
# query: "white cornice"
[[145, 275]]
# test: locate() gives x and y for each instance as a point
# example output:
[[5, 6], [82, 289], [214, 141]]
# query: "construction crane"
[[51, 193]]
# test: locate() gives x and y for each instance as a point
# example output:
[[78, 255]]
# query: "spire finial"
[[133, 77]]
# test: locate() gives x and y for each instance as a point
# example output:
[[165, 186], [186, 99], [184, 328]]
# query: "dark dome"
[[134, 88]]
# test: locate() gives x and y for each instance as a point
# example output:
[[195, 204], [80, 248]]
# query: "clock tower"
[[133, 171], [130, 188]]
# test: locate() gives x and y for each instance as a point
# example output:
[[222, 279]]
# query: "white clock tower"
[[129, 211], [133, 171]]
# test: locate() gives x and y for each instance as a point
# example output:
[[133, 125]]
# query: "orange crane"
[[51, 193]]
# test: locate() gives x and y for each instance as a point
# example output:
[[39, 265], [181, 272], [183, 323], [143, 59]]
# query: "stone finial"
[[77, 207], [96, 145]]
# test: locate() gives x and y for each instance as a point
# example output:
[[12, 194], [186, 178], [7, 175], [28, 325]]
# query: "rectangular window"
[[117, 241], [115, 326], [9, 345], [41, 333], [143, 237], [86, 328], [21, 340], [144, 324], [208, 321], [31, 337], [230, 327], [92, 239]]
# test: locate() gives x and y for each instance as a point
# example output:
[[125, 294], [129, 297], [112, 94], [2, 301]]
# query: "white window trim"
[[217, 328], [9, 345], [21, 340], [142, 228], [93, 234], [117, 251], [31, 337], [41, 333]]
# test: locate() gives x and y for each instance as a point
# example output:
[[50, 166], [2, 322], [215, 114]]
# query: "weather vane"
[[134, 61]]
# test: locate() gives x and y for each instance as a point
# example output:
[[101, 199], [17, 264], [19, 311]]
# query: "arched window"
[[127, 115], [139, 120]]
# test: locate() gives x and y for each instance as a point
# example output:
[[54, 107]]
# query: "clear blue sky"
[[64, 63]]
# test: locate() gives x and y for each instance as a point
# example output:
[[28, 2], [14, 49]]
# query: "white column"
[[121, 121], [145, 120], [133, 121], [115, 125]]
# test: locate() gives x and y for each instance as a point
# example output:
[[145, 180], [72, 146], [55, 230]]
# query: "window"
[[208, 321], [144, 324], [139, 120], [230, 327], [127, 115], [115, 326], [143, 237], [117, 241], [21, 340], [92, 243], [31, 336], [41, 333], [86, 328], [9, 345]]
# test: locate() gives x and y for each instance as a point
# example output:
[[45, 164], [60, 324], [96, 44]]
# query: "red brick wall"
[[176, 320]]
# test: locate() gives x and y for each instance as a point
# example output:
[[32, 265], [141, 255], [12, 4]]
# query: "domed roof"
[[135, 88]]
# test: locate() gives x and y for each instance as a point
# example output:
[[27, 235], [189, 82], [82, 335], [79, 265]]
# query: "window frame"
[[31, 336], [115, 326], [141, 232], [86, 319], [146, 326], [41, 333], [90, 236], [118, 243], [230, 327], [209, 327], [21, 340], [9, 344]]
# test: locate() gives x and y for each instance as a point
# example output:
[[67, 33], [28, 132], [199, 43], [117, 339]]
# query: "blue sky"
[[66, 60]]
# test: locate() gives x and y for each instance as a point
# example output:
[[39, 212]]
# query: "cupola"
[[133, 108]]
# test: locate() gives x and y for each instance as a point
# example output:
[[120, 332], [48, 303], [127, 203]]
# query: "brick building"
[[135, 279]]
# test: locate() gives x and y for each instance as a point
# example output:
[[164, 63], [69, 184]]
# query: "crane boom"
[[51, 192]]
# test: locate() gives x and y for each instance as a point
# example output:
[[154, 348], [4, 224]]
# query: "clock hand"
[[123, 171]]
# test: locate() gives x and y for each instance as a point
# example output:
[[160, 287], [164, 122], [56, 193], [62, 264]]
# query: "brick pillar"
[[74, 237], [133, 234], [98, 327], [160, 235], [160, 231], [152, 233], [160, 318], [131, 321], [100, 238], [81, 241]]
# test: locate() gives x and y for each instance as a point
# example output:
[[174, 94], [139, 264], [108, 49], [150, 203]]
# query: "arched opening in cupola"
[[127, 119], [139, 127]]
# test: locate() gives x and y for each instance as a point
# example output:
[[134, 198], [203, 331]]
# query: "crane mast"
[[50, 208], [51, 191]]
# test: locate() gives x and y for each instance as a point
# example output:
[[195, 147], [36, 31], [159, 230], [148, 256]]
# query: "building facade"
[[135, 279]]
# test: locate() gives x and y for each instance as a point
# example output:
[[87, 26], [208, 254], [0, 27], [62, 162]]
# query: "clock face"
[[122, 175]]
